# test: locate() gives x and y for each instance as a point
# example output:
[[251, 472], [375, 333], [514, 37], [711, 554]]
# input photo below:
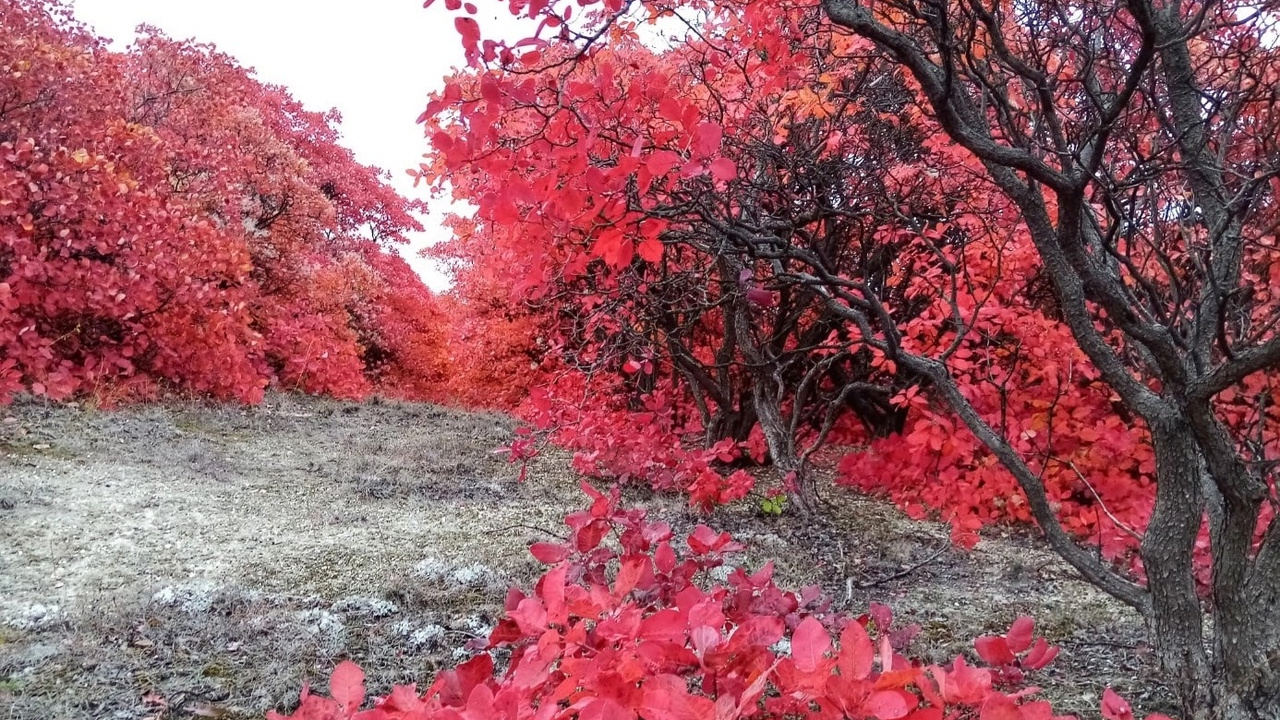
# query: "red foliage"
[[169, 223], [640, 632], [613, 439], [576, 279]]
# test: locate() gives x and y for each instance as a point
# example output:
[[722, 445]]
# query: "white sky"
[[374, 60]]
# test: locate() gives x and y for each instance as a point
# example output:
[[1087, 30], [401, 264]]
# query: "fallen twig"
[[535, 528], [904, 572]]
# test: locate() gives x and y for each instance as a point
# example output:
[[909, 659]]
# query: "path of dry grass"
[[191, 561]]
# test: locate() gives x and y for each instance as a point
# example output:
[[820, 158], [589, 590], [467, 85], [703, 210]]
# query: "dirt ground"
[[205, 561]]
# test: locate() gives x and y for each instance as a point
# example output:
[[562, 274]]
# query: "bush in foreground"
[[638, 628]]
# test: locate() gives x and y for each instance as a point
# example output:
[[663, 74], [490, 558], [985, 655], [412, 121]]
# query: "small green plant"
[[774, 502]]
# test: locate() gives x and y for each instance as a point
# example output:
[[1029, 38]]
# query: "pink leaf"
[[1115, 707], [723, 169], [346, 685], [994, 650], [1019, 636], [809, 644], [857, 653], [761, 297], [707, 138]]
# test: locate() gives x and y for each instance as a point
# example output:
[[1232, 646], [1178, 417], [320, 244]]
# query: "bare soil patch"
[[204, 561]]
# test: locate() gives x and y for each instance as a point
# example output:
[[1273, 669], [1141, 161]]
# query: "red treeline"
[[170, 224]]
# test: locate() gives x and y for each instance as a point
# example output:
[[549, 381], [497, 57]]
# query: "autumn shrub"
[[646, 438], [168, 223], [666, 247], [630, 622]]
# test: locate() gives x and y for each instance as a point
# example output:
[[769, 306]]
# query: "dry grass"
[[187, 560]]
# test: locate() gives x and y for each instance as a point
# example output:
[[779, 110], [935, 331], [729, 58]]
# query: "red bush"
[[635, 628], [169, 223]]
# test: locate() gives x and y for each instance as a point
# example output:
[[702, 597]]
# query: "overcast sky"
[[374, 60]]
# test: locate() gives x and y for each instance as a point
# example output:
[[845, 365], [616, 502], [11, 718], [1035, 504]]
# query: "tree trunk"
[[782, 446], [1176, 621], [767, 393], [1240, 679], [732, 423]]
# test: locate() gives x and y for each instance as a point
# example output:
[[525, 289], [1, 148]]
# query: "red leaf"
[[552, 589], [346, 685], [999, 707], [506, 631], [650, 250], [662, 161], [668, 625], [1115, 707], [1019, 635], [857, 653], [664, 558], [758, 630], [994, 651], [589, 537], [468, 28], [531, 616], [630, 572], [549, 553], [605, 709], [723, 169], [614, 248], [1042, 710], [667, 698], [480, 703], [707, 138], [809, 644], [886, 705], [1042, 653]]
